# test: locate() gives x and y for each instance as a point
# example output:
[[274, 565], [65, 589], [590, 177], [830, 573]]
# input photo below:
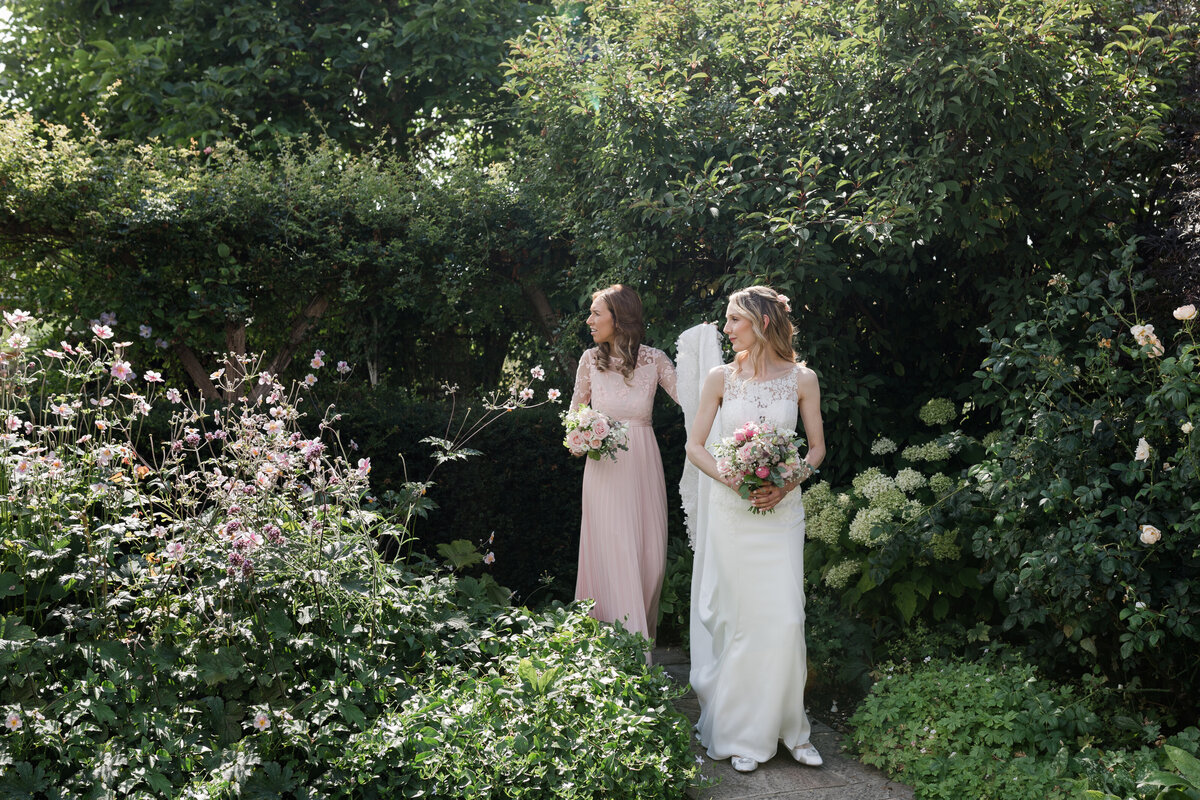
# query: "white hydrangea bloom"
[[909, 480]]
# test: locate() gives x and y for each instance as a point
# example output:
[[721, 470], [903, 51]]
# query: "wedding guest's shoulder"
[[589, 355], [648, 354]]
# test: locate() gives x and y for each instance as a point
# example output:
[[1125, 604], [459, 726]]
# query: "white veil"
[[698, 350]]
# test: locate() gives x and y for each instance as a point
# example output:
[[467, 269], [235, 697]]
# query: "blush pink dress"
[[623, 535]]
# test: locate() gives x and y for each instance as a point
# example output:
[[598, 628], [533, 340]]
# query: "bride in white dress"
[[748, 653]]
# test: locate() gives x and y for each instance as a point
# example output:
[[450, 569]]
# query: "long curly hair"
[[628, 329], [754, 303]]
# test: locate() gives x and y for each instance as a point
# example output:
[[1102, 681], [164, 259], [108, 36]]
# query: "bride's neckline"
[[780, 377]]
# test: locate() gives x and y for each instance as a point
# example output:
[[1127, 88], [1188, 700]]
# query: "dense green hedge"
[[524, 487]]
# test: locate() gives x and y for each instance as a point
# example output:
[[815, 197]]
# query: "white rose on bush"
[[1149, 534], [1185, 312], [1142, 453]]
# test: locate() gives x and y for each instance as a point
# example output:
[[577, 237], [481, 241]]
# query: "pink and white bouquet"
[[592, 434], [759, 454]]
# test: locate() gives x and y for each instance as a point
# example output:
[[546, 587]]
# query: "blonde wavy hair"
[[775, 336], [628, 329]]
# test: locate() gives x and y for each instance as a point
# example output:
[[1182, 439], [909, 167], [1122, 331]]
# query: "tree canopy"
[[228, 252], [904, 170], [204, 70]]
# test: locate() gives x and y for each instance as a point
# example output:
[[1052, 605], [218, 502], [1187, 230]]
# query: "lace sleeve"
[[583, 379], [666, 374]]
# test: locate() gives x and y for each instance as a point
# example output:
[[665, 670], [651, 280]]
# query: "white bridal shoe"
[[744, 763], [807, 755]]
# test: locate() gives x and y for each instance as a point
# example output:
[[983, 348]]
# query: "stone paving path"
[[842, 777]]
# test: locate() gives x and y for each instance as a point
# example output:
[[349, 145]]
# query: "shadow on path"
[[842, 777]]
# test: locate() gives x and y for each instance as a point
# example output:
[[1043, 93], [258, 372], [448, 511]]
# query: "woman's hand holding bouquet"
[[592, 434], [759, 454]]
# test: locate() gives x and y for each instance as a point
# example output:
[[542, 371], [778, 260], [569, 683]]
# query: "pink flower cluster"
[[592, 434], [758, 454]]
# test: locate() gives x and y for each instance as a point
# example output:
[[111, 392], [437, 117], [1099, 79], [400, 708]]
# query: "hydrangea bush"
[[207, 615], [876, 542]]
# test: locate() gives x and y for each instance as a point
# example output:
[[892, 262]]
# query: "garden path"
[[841, 778]]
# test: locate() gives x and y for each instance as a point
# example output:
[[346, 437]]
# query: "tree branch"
[[296, 335], [195, 369]]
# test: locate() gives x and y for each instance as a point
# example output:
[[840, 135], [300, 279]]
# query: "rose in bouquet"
[[759, 454], [592, 434]]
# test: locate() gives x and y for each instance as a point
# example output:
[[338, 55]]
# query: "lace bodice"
[[608, 392], [775, 401]]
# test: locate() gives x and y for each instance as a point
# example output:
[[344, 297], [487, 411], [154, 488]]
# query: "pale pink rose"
[[600, 428], [595, 442], [576, 441], [1185, 312]]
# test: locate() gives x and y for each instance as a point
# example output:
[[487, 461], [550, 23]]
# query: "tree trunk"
[[235, 351], [548, 320], [295, 338], [196, 371]]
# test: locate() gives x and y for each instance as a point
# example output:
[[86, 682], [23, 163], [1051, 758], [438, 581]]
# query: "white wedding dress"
[[747, 626]]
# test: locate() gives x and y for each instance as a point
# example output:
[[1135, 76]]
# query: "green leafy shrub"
[[1122, 774], [532, 723], [211, 618], [840, 647], [989, 730], [1085, 513], [674, 604]]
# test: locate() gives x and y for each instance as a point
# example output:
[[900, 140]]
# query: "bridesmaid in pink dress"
[[623, 536]]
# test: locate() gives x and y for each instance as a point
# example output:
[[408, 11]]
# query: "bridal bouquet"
[[592, 434], [758, 454]]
